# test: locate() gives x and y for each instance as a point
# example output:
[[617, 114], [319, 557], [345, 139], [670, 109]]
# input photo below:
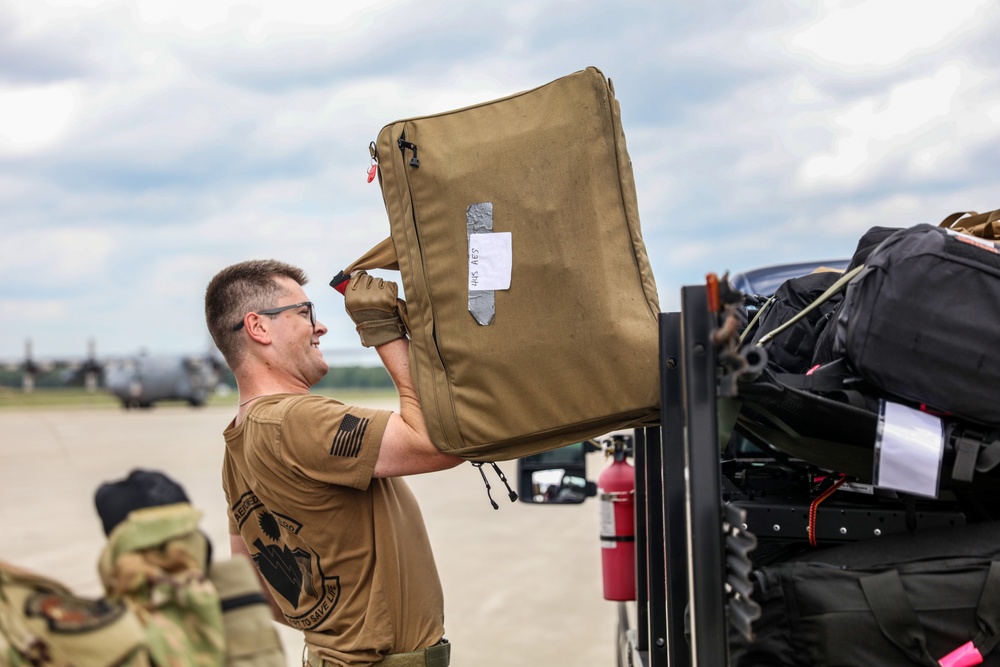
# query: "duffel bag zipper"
[[404, 145]]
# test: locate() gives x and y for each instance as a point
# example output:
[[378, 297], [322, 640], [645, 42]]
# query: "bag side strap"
[[989, 457], [988, 617], [382, 256], [749, 327], [966, 453], [895, 616], [899, 623], [975, 452], [832, 377], [833, 289], [988, 612]]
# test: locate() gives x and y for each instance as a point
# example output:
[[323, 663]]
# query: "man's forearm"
[[407, 447], [396, 359]]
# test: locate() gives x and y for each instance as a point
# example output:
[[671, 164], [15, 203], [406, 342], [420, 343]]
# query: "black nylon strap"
[[975, 454], [833, 377], [966, 453], [228, 604], [988, 612], [989, 458], [895, 616], [820, 383]]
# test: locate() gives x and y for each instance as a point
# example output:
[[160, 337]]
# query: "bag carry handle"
[[382, 256], [948, 222], [977, 224], [895, 616], [899, 623]]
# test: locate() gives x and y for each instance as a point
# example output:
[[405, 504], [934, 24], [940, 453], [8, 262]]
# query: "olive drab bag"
[[251, 638], [44, 624], [531, 303]]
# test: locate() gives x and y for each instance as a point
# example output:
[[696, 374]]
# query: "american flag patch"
[[347, 442]]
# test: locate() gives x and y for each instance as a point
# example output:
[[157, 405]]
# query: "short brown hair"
[[240, 289]]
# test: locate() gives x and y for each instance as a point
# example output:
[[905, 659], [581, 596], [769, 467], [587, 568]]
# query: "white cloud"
[[875, 129], [192, 15], [34, 118], [860, 34], [53, 257]]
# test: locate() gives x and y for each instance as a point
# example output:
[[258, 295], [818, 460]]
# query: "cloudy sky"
[[146, 144]]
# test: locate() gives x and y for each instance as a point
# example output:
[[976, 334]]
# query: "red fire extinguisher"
[[616, 489]]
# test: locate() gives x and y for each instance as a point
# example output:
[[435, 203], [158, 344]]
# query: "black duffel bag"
[[889, 601], [921, 322]]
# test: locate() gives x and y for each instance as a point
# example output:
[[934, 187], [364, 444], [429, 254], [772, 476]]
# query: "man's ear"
[[258, 327]]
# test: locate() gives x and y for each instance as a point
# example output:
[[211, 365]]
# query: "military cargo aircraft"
[[138, 381], [142, 380]]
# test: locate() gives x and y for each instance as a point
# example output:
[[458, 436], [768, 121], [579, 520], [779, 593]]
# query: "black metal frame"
[[678, 501]]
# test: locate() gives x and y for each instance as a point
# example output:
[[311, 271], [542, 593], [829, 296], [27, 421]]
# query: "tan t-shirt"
[[346, 556]]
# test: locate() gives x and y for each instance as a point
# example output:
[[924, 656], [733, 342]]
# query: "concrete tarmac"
[[522, 584]]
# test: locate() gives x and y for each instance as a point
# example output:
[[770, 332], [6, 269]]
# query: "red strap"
[[814, 507]]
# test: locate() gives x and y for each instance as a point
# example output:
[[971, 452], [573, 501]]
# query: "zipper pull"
[[403, 145], [373, 170]]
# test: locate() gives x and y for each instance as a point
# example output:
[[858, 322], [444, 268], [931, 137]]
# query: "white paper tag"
[[908, 450], [490, 261]]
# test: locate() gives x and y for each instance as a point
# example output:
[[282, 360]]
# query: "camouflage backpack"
[[165, 604], [155, 563], [196, 612], [43, 624]]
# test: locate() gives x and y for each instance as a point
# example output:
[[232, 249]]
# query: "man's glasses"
[[281, 309]]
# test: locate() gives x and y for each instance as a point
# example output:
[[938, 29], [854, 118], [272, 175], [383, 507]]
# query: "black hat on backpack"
[[142, 488]]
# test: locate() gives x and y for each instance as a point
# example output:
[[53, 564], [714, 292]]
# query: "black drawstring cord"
[[510, 492], [487, 483]]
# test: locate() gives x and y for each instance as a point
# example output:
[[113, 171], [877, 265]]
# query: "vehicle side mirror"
[[558, 476]]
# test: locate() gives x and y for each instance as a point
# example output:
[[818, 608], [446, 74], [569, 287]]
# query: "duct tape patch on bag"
[[490, 261]]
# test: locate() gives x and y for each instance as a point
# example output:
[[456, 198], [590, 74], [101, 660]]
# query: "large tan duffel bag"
[[532, 305]]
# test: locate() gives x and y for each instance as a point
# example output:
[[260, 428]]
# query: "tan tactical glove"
[[372, 304]]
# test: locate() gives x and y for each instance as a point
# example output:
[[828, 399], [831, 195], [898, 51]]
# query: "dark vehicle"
[[764, 281], [557, 476]]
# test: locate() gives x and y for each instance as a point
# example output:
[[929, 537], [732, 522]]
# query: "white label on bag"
[[490, 261], [909, 448]]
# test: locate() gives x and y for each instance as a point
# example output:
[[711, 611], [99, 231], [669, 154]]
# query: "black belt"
[[438, 655]]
